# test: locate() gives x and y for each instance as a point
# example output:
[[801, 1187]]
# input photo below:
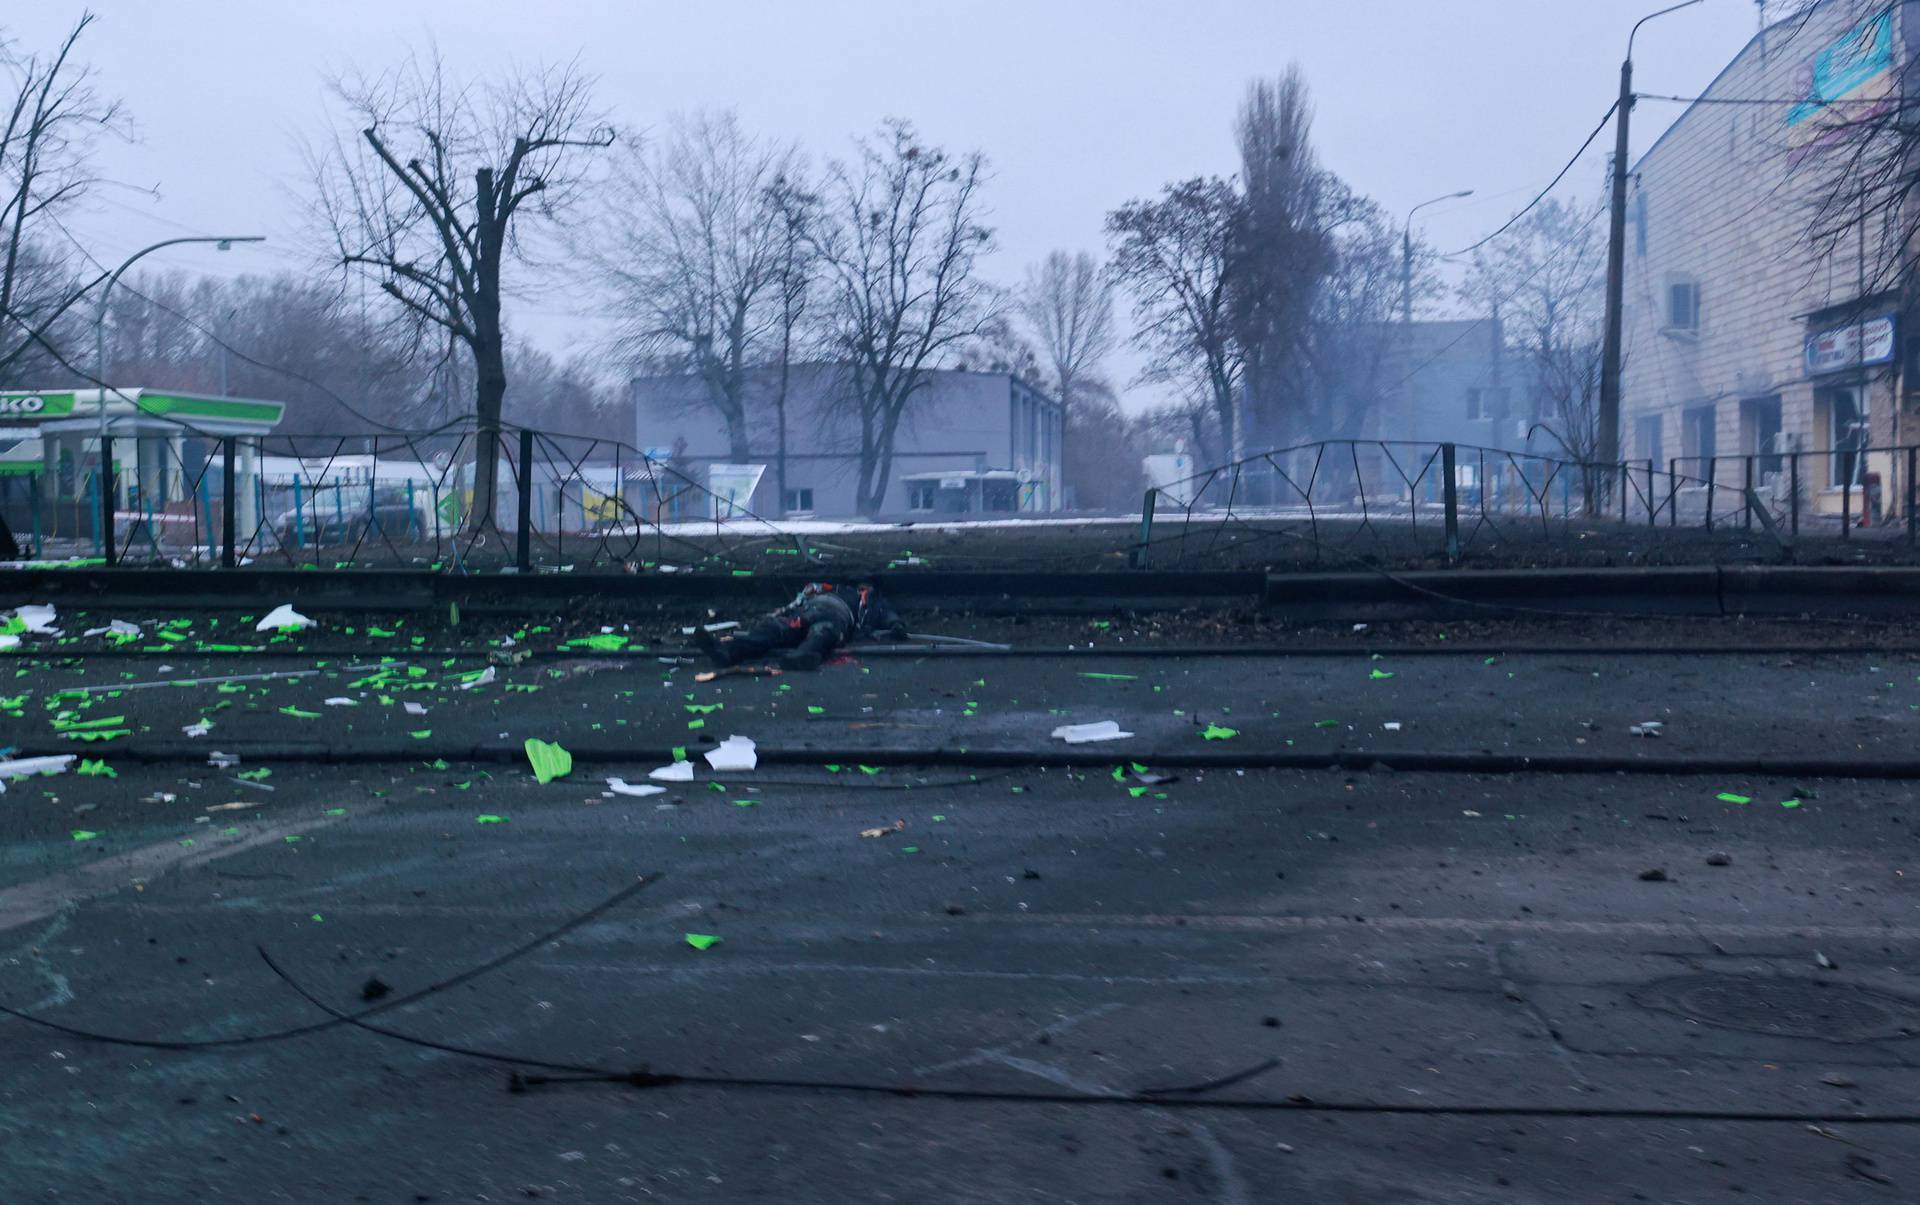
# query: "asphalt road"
[[1439, 942]]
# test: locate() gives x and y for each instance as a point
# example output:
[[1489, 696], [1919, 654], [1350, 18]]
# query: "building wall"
[[961, 422], [1723, 201]]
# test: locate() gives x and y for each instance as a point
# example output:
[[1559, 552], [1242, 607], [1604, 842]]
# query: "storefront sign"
[[1869, 342]]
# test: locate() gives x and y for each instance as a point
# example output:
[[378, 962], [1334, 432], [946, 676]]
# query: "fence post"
[[523, 553], [1653, 512], [1913, 462], [229, 495], [1450, 500], [1711, 461], [1793, 484], [1846, 506], [107, 499], [299, 513], [33, 500], [1142, 549], [1673, 491], [1747, 493], [1626, 487]]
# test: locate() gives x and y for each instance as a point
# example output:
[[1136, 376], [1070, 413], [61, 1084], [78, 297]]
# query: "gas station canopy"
[[136, 412]]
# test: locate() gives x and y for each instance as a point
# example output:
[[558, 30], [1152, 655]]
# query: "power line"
[[1509, 223]]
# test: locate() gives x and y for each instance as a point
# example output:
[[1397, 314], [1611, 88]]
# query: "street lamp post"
[[1609, 451], [1406, 254], [105, 541]]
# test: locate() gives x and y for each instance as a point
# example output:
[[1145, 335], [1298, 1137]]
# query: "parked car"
[[320, 523]]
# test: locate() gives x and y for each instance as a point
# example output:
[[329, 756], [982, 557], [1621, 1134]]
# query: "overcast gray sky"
[[1079, 104]]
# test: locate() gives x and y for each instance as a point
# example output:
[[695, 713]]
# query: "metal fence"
[[417, 500], [1353, 499], [387, 499]]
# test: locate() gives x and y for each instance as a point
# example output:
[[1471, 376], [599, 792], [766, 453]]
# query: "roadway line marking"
[[25, 903], [1443, 924]]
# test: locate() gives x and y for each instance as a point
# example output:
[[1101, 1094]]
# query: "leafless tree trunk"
[[1068, 304], [426, 203], [51, 120], [697, 257], [901, 233], [798, 211], [1175, 255]]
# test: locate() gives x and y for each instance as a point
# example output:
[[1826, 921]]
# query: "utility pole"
[[1617, 253]]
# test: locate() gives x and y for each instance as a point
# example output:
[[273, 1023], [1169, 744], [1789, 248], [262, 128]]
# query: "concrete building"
[[1741, 337], [970, 443]]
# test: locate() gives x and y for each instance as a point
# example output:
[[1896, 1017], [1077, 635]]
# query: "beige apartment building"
[[1745, 335]]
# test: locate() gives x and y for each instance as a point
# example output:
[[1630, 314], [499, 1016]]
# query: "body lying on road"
[[820, 619]]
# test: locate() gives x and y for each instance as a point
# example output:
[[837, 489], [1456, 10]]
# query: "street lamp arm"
[[224, 241], [1650, 16]]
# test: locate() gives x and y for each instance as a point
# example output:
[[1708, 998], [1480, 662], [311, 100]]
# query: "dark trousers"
[[818, 631]]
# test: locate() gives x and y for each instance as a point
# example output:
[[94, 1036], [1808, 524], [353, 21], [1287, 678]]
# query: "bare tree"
[[1068, 304], [53, 117], [428, 202], [901, 234], [1174, 254], [1543, 279], [798, 210], [1283, 242], [700, 257]]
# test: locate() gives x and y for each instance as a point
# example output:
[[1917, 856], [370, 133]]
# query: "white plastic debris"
[[224, 761], [620, 786], [27, 767], [1082, 734], [725, 626], [1391, 725], [734, 753], [38, 617], [281, 618], [414, 708], [680, 771], [198, 728], [340, 701], [1359, 627], [1649, 728], [8, 641], [486, 678], [115, 627]]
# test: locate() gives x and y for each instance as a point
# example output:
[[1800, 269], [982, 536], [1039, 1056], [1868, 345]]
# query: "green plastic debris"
[[298, 714], [318, 919], [438, 763], [1119, 774], [746, 803], [679, 753], [489, 819], [1112, 677], [909, 849], [1216, 732], [334, 812], [1730, 797], [549, 760], [869, 769], [600, 642], [702, 941], [1326, 723], [112, 721], [1789, 803], [695, 724], [96, 768], [420, 734], [259, 775], [704, 708], [81, 834], [1379, 675], [813, 710]]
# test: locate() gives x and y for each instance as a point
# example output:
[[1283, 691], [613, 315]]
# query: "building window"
[[800, 498], [1697, 440], [1846, 434], [1650, 449], [1760, 432], [920, 495], [1683, 306], [1476, 405]]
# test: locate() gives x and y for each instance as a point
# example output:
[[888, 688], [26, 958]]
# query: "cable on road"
[[492, 964], [1184, 1098]]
